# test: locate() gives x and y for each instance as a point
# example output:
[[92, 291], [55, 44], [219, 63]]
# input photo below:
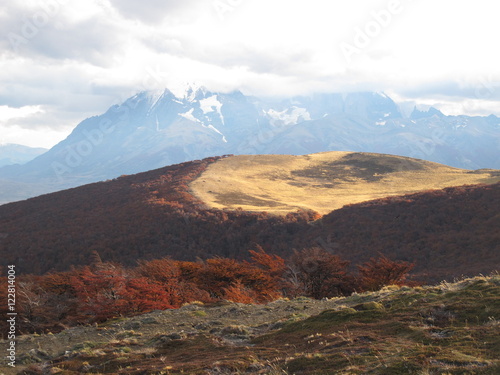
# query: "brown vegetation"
[[449, 328], [447, 233], [102, 291]]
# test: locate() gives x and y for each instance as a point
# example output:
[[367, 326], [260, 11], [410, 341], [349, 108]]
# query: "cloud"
[[17, 135], [477, 88], [282, 60], [8, 113], [86, 41], [153, 11], [33, 32], [87, 55], [31, 125]]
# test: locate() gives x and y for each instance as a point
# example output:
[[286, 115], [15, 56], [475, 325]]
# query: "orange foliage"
[[58, 283], [153, 215], [382, 271], [165, 272], [102, 293], [144, 294], [237, 292], [189, 270], [105, 290], [270, 263], [219, 274]]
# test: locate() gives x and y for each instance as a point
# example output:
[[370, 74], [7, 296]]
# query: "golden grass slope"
[[324, 181]]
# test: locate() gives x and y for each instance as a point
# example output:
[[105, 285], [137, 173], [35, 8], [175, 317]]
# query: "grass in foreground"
[[445, 329]]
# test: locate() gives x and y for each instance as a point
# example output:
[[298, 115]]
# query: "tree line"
[[104, 290]]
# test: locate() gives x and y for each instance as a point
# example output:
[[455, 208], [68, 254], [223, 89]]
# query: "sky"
[[62, 61]]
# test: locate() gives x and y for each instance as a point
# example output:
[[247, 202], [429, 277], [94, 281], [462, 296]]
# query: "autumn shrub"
[[164, 272], [144, 294], [316, 273], [237, 292], [381, 271], [256, 281], [102, 293], [105, 290], [272, 283]]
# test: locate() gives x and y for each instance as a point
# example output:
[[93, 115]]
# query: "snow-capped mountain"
[[154, 129]]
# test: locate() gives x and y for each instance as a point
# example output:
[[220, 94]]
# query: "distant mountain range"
[[154, 129], [18, 154]]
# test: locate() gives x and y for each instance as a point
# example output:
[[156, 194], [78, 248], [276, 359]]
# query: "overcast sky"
[[64, 60]]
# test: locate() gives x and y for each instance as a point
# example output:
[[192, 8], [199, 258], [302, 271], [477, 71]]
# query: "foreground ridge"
[[445, 328]]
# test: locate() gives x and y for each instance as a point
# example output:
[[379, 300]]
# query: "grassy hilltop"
[[322, 182]]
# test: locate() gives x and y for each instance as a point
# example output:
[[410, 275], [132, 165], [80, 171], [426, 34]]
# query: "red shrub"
[[382, 271], [316, 273]]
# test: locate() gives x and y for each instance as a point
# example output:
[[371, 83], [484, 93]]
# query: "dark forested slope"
[[447, 232]]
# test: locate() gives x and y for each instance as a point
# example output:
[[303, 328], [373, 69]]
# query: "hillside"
[[322, 182], [448, 233], [153, 129], [447, 328], [154, 214]]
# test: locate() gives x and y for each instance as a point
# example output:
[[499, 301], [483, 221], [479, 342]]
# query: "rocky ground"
[[444, 329]]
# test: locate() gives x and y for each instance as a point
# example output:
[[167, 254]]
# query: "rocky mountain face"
[[155, 129]]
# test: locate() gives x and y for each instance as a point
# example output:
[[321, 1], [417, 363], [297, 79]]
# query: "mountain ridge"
[[154, 129], [155, 214], [11, 154]]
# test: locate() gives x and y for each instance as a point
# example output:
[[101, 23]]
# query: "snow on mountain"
[[189, 115], [290, 116], [211, 104], [188, 92], [158, 128]]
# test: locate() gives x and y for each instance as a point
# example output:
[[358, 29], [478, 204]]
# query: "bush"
[[381, 271]]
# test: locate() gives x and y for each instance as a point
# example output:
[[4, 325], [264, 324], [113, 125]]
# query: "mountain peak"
[[189, 91], [418, 114], [163, 127]]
